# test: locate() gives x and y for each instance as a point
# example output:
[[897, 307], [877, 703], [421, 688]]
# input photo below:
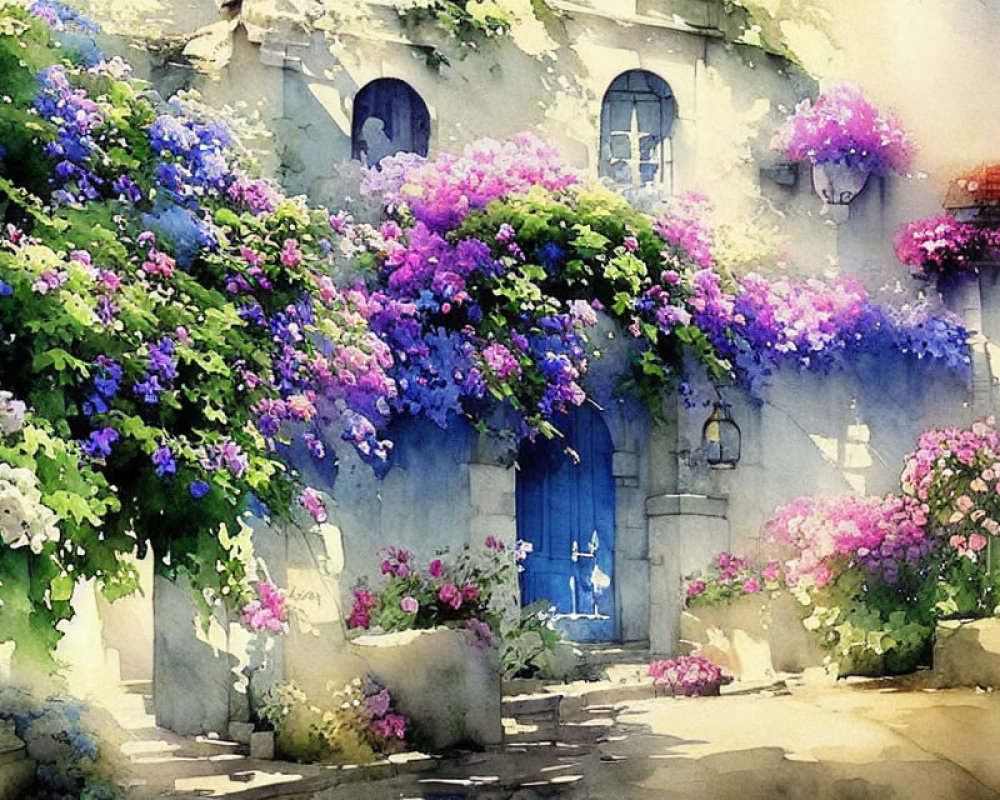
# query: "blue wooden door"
[[566, 510]]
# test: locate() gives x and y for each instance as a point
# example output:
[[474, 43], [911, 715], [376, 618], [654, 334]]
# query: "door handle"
[[576, 553]]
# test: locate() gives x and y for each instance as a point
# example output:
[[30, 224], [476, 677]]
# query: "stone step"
[[540, 704], [599, 655]]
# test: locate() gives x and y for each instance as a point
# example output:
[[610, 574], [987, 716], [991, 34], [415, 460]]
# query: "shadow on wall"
[[825, 434]]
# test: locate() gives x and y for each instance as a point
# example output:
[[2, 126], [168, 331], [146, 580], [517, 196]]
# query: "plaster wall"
[[823, 434]]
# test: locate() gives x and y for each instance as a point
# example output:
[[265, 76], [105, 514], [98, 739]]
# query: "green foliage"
[[531, 647], [468, 23], [579, 234], [870, 627]]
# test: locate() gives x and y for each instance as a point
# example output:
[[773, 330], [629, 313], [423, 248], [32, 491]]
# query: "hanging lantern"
[[721, 438]]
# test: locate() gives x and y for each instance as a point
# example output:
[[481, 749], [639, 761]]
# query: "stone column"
[[631, 563], [685, 532], [963, 296], [192, 667]]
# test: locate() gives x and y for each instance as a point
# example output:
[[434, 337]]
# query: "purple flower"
[[99, 444], [163, 458]]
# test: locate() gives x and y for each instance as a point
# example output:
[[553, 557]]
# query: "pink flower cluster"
[[266, 612], [968, 547], [397, 562], [942, 245], [691, 675], [391, 726], [842, 126], [954, 474], [384, 723], [442, 192], [731, 577], [683, 228], [827, 535], [364, 602], [453, 596]]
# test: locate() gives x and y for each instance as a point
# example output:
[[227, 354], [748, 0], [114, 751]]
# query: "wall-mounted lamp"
[[721, 438]]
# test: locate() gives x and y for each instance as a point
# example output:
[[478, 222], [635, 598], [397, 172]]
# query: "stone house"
[[635, 92]]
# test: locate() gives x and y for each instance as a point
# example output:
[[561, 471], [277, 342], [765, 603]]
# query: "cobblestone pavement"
[[808, 739]]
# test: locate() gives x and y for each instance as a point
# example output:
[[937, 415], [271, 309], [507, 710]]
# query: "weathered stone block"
[[192, 675], [624, 464], [967, 653], [262, 745], [448, 689], [491, 489], [752, 638]]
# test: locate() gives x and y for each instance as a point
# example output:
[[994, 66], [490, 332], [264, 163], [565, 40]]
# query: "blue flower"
[[6, 290], [164, 460], [99, 443], [198, 489]]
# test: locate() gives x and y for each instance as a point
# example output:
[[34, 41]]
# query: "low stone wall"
[[752, 638], [448, 689], [967, 653]]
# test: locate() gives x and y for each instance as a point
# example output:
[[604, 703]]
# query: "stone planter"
[[967, 652], [449, 690], [838, 184], [752, 638]]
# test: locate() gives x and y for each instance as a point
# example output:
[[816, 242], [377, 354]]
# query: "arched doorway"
[[566, 510], [388, 117]]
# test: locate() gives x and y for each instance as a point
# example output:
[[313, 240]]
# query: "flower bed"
[[875, 576], [353, 724]]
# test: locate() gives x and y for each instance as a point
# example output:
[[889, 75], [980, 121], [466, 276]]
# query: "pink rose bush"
[[728, 578], [873, 575], [954, 474], [457, 594], [828, 535], [844, 127], [689, 676]]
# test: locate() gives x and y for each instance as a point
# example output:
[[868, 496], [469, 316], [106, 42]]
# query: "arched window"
[[636, 118], [388, 117]]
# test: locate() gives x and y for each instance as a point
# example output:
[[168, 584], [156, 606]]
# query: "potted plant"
[[688, 676], [942, 246], [846, 139]]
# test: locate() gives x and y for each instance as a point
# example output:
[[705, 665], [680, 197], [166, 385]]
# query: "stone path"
[[807, 739]]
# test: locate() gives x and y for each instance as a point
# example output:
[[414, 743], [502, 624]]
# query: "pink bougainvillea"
[[442, 192], [843, 126], [829, 534], [942, 245], [268, 611]]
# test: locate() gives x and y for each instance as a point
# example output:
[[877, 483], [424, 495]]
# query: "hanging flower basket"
[[838, 183], [846, 139]]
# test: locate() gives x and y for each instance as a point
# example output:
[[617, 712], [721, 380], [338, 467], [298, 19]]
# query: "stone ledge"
[[672, 505]]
